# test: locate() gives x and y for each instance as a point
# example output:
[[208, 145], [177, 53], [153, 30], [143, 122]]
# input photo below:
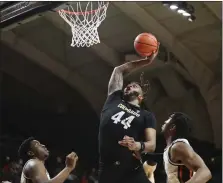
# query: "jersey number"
[[126, 122]]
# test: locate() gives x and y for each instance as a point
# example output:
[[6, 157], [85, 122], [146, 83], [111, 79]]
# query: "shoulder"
[[181, 149], [33, 166], [115, 96], [116, 92], [149, 119], [147, 113], [149, 116]]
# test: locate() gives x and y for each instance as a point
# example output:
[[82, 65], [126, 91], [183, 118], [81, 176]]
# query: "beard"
[[130, 96]]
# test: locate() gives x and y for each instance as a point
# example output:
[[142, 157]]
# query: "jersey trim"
[[180, 174], [168, 153]]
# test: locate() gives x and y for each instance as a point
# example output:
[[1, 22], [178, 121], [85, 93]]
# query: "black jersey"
[[119, 118]]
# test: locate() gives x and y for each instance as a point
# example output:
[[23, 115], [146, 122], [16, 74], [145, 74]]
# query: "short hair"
[[24, 148], [183, 124]]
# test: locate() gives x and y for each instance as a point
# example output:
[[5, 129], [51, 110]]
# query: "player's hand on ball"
[[154, 54], [130, 143], [71, 160]]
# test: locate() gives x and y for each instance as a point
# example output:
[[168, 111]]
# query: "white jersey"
[[174, 171], [25, 179]]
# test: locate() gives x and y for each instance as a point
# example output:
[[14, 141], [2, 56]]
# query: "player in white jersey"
[[179, 155], [35, 154]]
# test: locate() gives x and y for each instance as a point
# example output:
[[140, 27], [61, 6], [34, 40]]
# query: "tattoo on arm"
[[116, 81]]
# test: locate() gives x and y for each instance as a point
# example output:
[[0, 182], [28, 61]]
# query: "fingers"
[[125, 143], [72, 155], [127, 137]]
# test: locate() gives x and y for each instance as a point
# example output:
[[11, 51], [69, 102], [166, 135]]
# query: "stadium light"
[[186, 14], [181, 11], [173, 7], [183, 8], [191, 18]]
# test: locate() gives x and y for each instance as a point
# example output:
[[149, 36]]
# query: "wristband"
[[142, 147]]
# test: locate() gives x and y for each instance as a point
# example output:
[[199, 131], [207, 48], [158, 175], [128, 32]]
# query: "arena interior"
[[55, 92]]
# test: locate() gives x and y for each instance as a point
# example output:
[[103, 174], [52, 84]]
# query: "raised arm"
[[36, 171], [116, 80], [185, 154]]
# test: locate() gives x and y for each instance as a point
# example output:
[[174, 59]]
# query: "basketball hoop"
[[84, 24]]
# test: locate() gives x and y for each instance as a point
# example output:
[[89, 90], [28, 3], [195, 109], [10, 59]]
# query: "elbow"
[[151, 147], [121, 69], [117, 69], [209, 174]]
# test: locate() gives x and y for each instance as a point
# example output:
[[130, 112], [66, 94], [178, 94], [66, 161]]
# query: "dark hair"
[[182, 122], [145, 85], [25, 148]]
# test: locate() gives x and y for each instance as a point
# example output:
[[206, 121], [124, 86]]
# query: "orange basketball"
[[145, 44]]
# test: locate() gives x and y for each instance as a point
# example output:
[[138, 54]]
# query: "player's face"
[[166, 124], [133, 89], [39, 150]]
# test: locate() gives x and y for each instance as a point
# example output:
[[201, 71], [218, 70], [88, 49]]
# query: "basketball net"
[[84, 23]]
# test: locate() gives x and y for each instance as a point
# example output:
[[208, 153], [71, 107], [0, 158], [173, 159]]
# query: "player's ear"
[[172, 127], [30, 153], [140, 98]]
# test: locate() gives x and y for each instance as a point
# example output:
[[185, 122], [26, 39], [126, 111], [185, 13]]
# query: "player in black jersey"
[[125, 128]]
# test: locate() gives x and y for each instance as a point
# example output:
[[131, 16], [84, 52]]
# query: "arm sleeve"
[[150, 121], [113, 98]]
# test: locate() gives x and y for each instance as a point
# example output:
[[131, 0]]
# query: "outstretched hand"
[[154, 54]]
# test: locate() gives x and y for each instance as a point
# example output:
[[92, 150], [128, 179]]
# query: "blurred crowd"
[[86, 171], [11, 171]]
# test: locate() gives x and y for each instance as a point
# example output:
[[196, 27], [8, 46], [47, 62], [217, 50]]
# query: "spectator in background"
[[93, 177], [6, 174], [84, 178], [59, 165], [15, 171], [21, 162], [6, 166]]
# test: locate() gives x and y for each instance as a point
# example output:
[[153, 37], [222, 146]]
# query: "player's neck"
[[168, 140], [42, 161], [134, 102]]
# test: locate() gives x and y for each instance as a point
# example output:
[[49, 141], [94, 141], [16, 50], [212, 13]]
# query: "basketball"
[[145, 44]]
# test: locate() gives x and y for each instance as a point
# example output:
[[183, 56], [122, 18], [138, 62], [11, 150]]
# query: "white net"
[[84, 19]]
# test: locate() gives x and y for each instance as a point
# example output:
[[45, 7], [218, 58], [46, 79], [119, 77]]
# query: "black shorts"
[[122, 173]]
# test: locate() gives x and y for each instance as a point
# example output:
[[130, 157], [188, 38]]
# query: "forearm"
[[132, 65], [149, 146], [116, 80], [201, 176], [60, 177]]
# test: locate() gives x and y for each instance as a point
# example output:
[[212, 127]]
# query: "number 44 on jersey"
[[126, 122]]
